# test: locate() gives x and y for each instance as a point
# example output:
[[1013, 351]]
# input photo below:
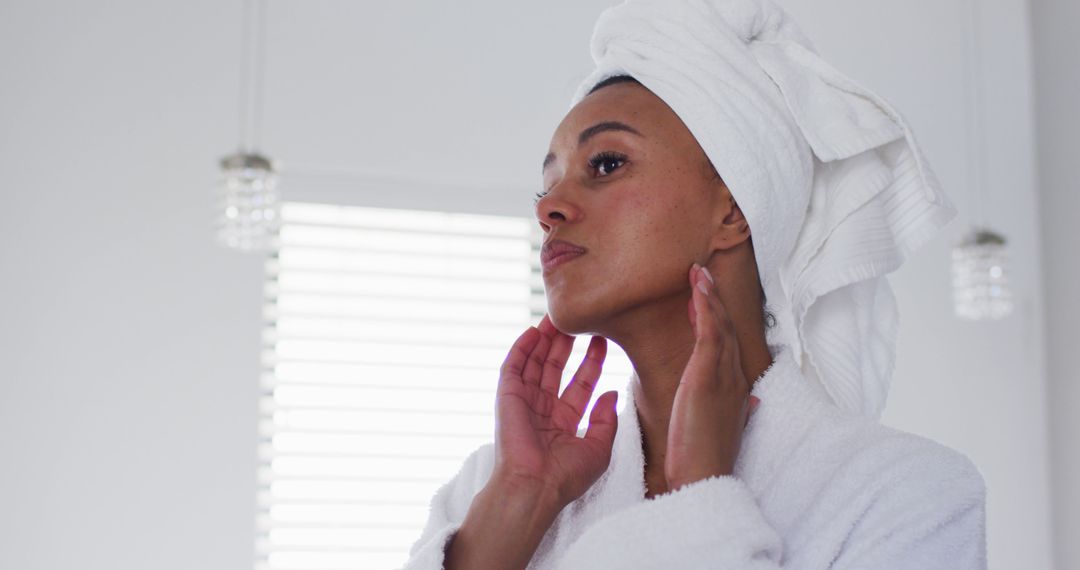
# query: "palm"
[[538, 435], [536, 429]]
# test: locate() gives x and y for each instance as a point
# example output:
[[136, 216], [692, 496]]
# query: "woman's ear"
[[732, 228]]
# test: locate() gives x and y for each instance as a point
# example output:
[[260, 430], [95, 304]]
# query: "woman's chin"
[[576, 306], [569, 320]]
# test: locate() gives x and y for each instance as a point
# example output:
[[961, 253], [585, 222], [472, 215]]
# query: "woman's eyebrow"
[[593, 131]]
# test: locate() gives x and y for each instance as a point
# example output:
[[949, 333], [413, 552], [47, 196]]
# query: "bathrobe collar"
[[788, 405]]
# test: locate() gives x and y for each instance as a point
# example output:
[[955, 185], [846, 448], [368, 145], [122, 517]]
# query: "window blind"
[[384, 331]]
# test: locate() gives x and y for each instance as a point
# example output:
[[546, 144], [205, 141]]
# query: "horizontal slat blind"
[[384, 333]]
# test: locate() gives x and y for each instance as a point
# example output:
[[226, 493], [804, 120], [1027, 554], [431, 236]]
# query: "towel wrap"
[[830, 178]]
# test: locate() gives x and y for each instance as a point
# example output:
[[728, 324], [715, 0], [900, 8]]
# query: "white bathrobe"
[[813, 488]]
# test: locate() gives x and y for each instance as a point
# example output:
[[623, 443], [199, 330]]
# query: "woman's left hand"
[[712, 403]]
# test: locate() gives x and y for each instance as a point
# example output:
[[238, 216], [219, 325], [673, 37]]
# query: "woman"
[[709, 163]]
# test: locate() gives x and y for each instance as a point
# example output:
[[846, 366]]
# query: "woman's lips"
[[557, 251], [553, 262]]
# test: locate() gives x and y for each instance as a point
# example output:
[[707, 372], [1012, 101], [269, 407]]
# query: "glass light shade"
[[981, 277], [248, 208]]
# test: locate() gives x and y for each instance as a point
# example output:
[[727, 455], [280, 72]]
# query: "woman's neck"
[[659, 349]]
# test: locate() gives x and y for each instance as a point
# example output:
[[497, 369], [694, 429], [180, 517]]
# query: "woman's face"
[[641, 202]]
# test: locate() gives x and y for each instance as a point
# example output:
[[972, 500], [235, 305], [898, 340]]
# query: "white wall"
[[1057, 88], [129, 342]]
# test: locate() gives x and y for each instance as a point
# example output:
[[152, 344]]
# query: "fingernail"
[[707, 275], [704, 289]]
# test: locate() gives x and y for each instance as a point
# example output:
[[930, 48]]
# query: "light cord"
[[977, 190]]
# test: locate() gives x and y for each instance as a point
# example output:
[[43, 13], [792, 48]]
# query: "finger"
[[690, 303], [754, 402], [692, 311], [535, 364], [581, 387], [727, 351], [604, 421], [726, 344], [546, 326], [722, 317], [551, 376], [514, 363], [705, 330]]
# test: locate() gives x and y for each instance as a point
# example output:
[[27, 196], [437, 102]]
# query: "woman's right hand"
[[541, 465], [536, 443]]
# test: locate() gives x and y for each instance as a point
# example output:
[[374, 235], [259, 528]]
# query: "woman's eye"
[[607, 162], [604, 161]]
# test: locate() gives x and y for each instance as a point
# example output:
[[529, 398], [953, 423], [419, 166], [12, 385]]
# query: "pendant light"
[[980, 263], [247, 208]]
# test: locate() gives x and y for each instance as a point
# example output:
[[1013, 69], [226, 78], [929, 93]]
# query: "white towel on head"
[[829, 176]]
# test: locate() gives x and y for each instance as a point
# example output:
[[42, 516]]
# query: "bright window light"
[[384, 333]]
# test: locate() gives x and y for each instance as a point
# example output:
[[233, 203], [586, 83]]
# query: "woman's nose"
[[555, 209]]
